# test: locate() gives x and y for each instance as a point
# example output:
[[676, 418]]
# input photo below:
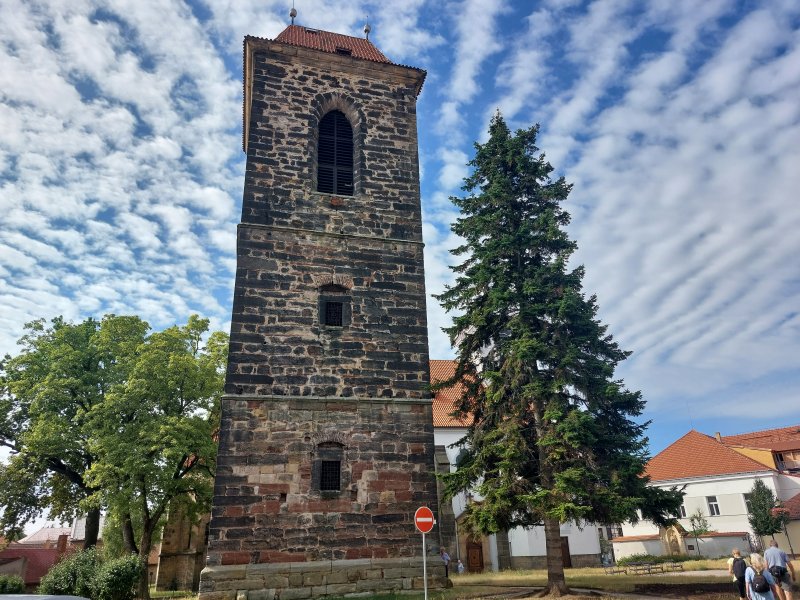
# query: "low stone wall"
[[540, 562], [288, 581]]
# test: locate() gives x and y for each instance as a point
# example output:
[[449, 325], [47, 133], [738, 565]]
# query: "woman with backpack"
[[736, 568], [759, 581]]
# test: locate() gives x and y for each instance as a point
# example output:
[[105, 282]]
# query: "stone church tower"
[[326, 442]]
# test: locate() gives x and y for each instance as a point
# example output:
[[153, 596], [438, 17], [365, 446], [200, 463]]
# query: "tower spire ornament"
[[367, 28], [293, 13]]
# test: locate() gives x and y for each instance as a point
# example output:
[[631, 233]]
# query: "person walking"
[[759, 581], [736, 568], [781, 568], [445, 559], [460, 567]]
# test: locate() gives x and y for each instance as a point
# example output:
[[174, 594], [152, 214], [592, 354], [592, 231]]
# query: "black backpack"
[[760, 583], [777, 571], [739, 567]]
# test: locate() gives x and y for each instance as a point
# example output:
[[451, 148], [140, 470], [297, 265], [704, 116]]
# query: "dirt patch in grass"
[[681, 589]]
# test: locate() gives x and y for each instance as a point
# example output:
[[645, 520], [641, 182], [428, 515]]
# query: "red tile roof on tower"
[[444, 400], [699, 455], [335, 43], [784, 438]]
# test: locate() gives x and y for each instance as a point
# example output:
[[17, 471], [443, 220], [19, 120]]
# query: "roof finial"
[[367, 28], [293, 12]]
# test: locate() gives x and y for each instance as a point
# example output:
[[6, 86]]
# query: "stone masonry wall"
[[266, 509], [296, 388], [279, 347], [293, 241]]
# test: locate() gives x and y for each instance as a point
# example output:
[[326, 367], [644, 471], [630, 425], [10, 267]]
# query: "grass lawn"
[[485, 585], [698, 586]]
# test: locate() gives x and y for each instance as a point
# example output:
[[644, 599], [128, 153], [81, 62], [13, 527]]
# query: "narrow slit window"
[[330, 476], [333, 314], [335, 155]]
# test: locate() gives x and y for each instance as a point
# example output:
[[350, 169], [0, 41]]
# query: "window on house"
[[335, 155], [746, 502], [682, 511], [713, 506]]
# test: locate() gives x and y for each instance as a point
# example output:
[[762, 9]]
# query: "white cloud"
[[477, 39], [454, 168]]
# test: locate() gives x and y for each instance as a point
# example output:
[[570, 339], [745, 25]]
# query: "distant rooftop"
[[699, 455], [784, 438], [334, 43], [46, 534], [445, 399]]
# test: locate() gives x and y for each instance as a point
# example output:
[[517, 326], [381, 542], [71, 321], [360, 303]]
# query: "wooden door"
[[474, 557], [565, 555]]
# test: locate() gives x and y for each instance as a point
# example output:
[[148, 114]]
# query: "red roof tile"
[[767, 438], [699, 455], [444, 400], [37, 561], [636, 538], [334, 43], [793, 505]]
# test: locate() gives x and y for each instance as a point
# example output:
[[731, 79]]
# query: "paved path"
[[712, 572]]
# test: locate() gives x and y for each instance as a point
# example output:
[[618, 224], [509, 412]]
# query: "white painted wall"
[[447, 437], [625, 549], [729, 491], [531, 542]]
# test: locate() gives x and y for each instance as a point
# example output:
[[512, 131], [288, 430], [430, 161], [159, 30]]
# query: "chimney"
[[717, 436], [62, 543]]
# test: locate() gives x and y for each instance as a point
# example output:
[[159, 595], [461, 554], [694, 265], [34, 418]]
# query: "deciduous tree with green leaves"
[[105, 415], [762, 518], [698, 526], [154, 434], [552, 438], [47, 394]]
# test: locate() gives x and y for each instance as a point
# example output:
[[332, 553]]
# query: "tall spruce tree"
[[552, 438]]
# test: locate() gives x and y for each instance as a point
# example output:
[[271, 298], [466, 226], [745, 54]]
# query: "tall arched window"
[[335, 155]]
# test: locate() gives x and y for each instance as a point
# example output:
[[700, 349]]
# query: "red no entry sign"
[[423, 519]]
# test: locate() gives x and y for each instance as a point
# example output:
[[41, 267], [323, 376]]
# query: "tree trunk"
[[128, 536], [556, 584], [145, 542], [92, 529]]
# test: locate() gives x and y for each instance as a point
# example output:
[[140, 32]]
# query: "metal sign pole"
[[424, 568]]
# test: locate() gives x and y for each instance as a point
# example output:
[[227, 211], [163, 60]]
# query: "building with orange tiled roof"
[[716, 474]]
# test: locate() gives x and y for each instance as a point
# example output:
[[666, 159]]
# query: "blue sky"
[[678, 122]]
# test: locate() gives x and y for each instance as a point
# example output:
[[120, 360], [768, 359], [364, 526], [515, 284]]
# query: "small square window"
[[330, 475], [333, 314]]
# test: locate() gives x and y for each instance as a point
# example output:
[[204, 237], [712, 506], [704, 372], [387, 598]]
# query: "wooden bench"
[[645, 568], [614, 569]]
